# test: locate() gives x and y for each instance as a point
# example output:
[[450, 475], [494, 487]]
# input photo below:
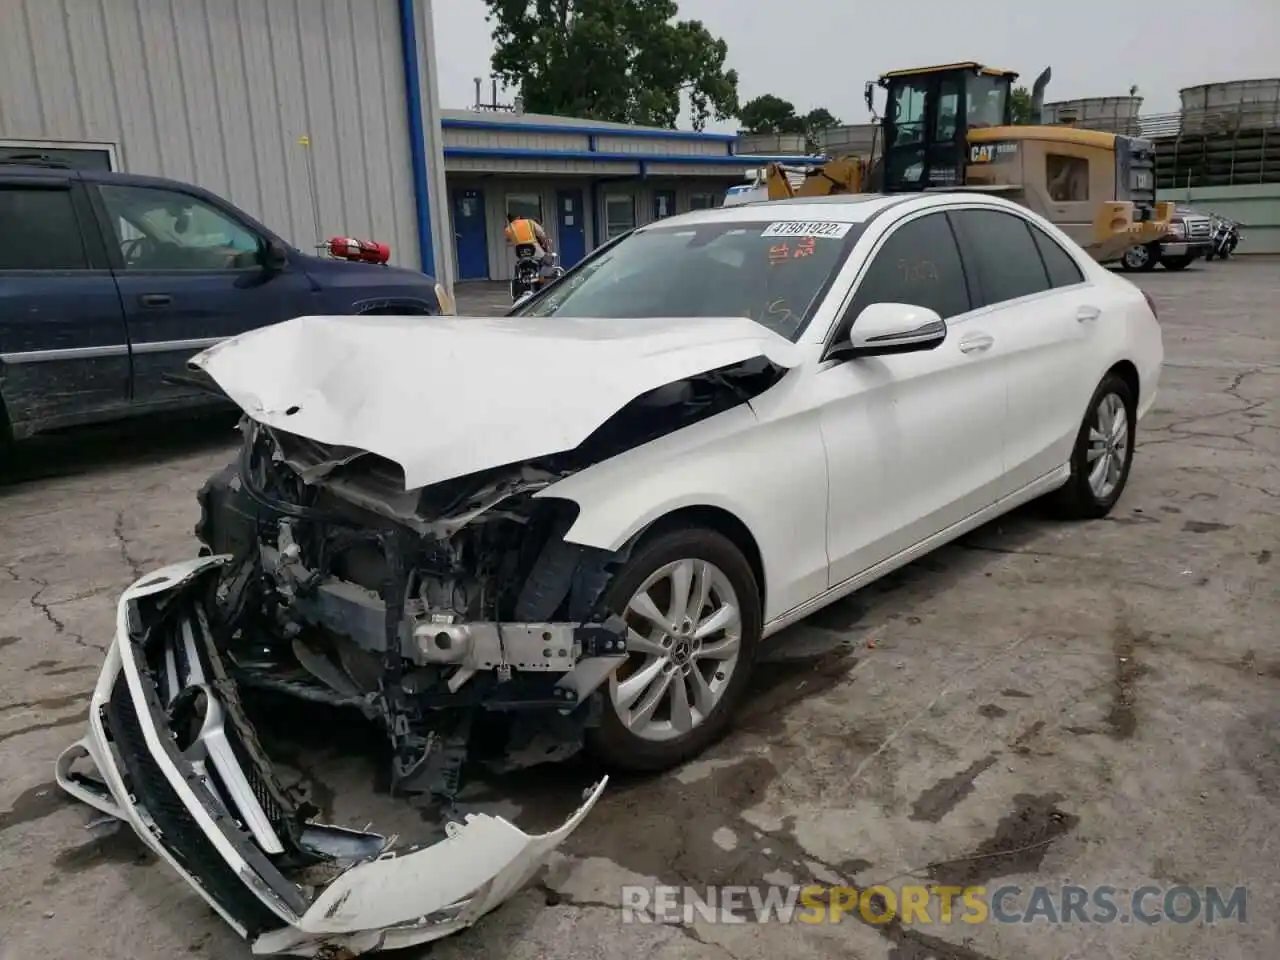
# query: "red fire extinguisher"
[[363, 251]]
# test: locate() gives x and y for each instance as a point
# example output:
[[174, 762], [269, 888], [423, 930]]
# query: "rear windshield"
[[774, 272]]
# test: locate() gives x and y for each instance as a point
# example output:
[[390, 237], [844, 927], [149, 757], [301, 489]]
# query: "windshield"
[[773, 272]]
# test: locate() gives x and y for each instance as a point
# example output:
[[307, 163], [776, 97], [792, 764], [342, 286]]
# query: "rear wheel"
[[693, 612], [1177, 263], [1103, 453]]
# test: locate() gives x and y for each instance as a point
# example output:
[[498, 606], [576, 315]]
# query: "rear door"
[[1044, 313], [64, 352], [190, 273]]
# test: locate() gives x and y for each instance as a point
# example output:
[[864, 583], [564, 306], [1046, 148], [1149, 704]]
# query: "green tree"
[[629, 61], [770, 114], [1020, 101]]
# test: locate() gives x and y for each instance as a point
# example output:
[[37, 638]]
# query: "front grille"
[[1198, 229], [179, 833]]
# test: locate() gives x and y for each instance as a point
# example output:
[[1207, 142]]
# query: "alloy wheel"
[[684, 637], [1108, 446]]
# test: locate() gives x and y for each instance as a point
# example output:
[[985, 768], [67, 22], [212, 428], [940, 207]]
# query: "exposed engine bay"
[[432, 609]]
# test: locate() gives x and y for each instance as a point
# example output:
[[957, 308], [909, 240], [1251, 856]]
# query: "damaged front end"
[[455, 616], [176, 759]]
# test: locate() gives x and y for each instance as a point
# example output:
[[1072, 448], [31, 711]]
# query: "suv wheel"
[[1141, 257]]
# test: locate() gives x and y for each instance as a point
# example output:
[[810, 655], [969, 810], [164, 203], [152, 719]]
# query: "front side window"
[[1068, 178], [158, 229], [919, 264], [41, 229], [774, 273], [907, 109], [1000, 248]]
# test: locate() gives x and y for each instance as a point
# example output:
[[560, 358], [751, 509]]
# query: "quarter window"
[[1068, 178], [998, 247], [158, 229], [1062, 267], [920, 265], [41, 230]]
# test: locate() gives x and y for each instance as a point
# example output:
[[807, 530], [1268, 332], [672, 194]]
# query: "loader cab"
[[928, 114]]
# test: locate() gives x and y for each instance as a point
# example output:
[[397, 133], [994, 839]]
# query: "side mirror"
[[274, 257], [882, 329]]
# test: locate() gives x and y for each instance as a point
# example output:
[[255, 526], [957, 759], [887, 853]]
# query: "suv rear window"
[[774, 272], [42, 230]]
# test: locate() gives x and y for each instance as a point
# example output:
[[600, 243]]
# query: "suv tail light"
[[1152, 304]]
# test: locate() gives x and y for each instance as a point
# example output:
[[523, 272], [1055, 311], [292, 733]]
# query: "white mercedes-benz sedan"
[[503, 539]]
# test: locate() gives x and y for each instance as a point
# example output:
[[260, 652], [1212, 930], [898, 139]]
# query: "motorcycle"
[[1223, 242], [532, 275]]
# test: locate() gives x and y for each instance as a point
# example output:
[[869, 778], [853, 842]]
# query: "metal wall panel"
[[506, 139], [662, 146], [218, 93]]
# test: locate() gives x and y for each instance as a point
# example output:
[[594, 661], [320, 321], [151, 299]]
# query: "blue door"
[[571, 232], [190, 272], [664, 204], [471, 237]]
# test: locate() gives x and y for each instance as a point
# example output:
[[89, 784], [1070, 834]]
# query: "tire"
[[646, 746], [1078, 499], [1141, 257], [1208, 256], [1177, 263]]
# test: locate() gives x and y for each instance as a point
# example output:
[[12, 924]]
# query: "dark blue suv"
[[110, 282]]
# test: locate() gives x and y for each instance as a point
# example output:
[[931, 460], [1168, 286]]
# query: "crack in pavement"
[[1177, 429], [45, 608], [117, 530]]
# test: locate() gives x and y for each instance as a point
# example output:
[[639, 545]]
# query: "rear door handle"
[[976, 343], [1087, 314], [155, 299]]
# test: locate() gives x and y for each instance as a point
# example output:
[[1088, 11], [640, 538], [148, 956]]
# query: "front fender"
[[770, 476]]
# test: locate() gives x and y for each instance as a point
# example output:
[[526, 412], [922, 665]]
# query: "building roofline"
[[585, 127], [746, 160]]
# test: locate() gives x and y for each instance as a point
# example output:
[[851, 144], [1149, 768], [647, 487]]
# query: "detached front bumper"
[[176, 760]]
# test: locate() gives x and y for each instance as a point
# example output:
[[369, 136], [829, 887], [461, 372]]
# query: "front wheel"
[[1142, 257], [1103, 453], [694, 616]]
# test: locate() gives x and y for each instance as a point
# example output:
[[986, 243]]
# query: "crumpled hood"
[[447, 396]]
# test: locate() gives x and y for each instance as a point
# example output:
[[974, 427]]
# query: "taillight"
[[1152, 304]]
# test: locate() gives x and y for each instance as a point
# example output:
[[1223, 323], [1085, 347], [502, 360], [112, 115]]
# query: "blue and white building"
[[322, 117]]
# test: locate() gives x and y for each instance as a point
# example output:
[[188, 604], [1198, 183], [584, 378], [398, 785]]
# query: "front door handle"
[[976, 343], [1088, 314], [155, 299]]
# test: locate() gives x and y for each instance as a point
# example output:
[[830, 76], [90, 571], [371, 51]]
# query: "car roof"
[[841, 208], [53, 169]]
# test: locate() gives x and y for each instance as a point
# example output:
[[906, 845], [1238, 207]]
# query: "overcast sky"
[[819, 52]]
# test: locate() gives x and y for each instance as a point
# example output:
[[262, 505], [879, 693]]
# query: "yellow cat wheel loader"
[[950, 128]]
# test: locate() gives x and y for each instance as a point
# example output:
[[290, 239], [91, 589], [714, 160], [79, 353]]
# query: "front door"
[[664, 204], [914, 441], [571, 232], [64, 351], [471, 235], [190, 273]]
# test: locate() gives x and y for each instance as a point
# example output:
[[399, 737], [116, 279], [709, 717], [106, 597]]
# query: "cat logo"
[[988, 152]]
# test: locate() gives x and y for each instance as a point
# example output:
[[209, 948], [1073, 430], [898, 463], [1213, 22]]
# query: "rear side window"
[[919, 264], [998, 246], [1063, 270], [41, 230]]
